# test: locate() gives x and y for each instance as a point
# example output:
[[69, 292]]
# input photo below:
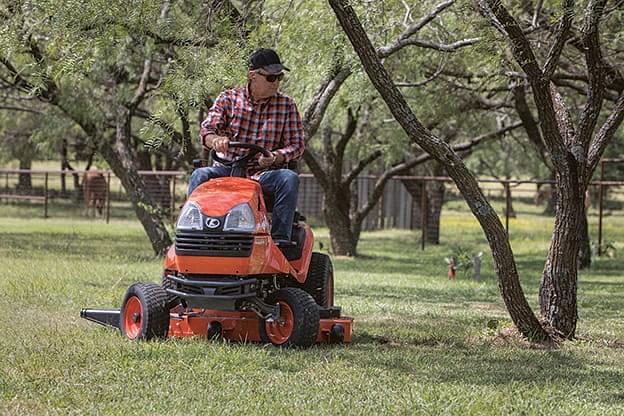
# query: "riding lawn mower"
[[226, 278]]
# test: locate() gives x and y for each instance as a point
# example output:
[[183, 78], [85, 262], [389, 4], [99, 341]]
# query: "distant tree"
[[111, 66]]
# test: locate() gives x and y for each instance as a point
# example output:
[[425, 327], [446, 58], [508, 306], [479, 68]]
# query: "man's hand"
[[266, 161], [218, 143]]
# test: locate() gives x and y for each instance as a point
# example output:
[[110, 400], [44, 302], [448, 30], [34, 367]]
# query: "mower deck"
[[232, 326]]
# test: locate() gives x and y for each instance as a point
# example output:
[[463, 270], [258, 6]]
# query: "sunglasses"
[[272, 77]]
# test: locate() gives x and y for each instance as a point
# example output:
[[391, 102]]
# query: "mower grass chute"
[[225, 277]]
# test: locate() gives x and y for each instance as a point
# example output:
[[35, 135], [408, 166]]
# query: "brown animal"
[[94, 187]]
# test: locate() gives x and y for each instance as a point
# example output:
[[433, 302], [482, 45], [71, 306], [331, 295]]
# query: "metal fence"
[[66, 193]]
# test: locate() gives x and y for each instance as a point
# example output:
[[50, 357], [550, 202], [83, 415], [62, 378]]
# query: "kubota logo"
[[212, 222]]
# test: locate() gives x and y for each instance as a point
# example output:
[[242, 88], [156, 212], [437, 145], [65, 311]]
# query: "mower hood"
[[217, 197]]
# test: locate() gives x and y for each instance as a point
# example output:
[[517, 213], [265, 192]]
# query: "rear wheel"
[[320, 280], [298, 323], [144, 312]]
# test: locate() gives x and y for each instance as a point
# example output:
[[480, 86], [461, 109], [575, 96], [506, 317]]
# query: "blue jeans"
[[282, 185]]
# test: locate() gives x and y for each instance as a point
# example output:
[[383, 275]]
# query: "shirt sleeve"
[[216, 121], [293, 137]]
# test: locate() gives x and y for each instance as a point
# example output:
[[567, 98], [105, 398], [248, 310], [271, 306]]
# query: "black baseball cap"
[[266, 59]]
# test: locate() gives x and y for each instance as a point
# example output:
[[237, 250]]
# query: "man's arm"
[[210, 132], [293, 137]]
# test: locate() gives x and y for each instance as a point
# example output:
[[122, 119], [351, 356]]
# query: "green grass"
[[422, 344]]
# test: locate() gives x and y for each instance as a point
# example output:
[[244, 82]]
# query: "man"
[[258, 113]]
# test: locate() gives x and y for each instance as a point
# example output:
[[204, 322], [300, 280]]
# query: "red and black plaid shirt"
[[273, 123]]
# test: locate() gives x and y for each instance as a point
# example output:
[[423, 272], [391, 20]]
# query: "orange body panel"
[[303, 264], [213, 201], [265, 258], [240, 326]]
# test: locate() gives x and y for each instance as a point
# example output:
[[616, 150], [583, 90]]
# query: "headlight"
[[240, 218], [190, 218]]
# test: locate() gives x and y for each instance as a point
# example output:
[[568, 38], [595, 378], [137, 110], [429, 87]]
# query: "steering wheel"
[[254, 149]]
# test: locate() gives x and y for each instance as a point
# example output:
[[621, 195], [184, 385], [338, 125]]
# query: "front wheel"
[[298, 323], [144, 312]]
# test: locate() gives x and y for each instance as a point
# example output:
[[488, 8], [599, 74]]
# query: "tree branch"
[[21, 109], [312, 160], [404, 167], [523, 54], [142, 88], [595, 71], [345, 137], [530, 125], [353, 173], [451, 47], [401, 40], [316, 110], [561, 36], [605, 134]]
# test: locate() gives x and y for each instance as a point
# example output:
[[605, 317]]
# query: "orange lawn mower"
[[226, 278]]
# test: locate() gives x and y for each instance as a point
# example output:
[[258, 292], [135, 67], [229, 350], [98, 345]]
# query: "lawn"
[[422, 344]]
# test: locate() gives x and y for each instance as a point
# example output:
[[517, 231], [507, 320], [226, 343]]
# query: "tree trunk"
[[24, 182], [157, 187], [551, 203], [343, 240], [415, 189], [435, 199], [509, 282], [64, 165], [123, 163], [558, 286], [511, 213], [584, 254]]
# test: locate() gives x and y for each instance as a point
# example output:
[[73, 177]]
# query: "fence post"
[[108, 199], [600, 208], [423, 215], [382, 211], [173, 200], [45, 196], [507, 206]]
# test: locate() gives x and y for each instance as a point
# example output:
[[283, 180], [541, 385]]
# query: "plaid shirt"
[[273, 123]]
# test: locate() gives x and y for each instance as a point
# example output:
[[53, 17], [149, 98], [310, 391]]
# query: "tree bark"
[[559, 278], [343, 239], [415, 189], [509, 283], [435, 199], [24, 182], [123, 162], [584, 254]]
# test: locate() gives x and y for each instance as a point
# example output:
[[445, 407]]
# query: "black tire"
[[144, 312], [299, 321], [319, 282], [172, 300]]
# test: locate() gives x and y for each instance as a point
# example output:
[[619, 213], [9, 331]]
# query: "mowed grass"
[[422, 344]]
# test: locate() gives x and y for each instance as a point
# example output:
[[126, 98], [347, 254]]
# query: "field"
[[422, 344]]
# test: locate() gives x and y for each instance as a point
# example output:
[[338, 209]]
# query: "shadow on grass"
[[77, 244], [406, 294], [489, 366]]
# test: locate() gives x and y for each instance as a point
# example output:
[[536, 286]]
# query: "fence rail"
[[397, 208]]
